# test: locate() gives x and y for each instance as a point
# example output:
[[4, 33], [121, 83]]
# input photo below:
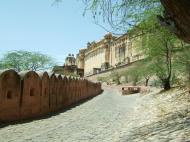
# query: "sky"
[[41, 26]]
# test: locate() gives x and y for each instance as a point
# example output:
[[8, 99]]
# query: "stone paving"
[[100, 119], [108, 117]]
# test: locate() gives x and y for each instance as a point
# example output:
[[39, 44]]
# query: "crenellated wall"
[[31, 94]]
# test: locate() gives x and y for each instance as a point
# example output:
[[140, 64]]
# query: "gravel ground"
[[111, 117]]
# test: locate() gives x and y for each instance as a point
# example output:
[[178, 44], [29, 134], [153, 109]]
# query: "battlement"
[[31, 94]]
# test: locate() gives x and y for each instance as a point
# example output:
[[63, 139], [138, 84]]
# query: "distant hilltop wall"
[[31, 94]]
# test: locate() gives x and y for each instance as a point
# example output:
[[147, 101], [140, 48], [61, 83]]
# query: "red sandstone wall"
[[29, 94], [59, 91], [71, 88], [45, 92], [53, 94], [65, 91], [75, 92], [9, 95]]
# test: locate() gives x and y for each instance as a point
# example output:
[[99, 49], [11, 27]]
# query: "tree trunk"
[[146, 83], [177, 17], [189, 81], [166, 84], [135, 81]]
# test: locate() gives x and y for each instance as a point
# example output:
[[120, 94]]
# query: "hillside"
[[163, 116]]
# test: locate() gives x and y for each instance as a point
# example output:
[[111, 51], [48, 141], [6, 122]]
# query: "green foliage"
[[71, 74], [139, 18], [116, 77], [24, 60], [122, 15], [182, 62], [160, 47], [102, 79], [141, 70], [134, 75]]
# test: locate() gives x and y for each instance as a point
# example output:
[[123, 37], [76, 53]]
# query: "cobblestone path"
[[101, 119], [111, 117]]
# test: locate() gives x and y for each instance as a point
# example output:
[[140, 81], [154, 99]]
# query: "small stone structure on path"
[[130, 90]]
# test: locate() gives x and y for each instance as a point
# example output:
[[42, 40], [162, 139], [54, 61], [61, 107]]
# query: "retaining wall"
[[31, 94]]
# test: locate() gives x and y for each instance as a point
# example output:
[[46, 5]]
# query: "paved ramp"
[[101, 119]]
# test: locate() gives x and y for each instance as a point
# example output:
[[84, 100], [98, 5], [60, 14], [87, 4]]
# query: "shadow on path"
[[164, 129], [46, 116]]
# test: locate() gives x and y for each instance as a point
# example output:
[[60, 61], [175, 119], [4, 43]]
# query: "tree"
[[134, 74], [123, 14], [183, 61], [116, 77], [176, 17], [146, 71], [24, 60], [160, 48]]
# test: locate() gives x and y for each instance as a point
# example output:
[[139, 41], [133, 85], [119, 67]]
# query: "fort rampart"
[[31, 94]]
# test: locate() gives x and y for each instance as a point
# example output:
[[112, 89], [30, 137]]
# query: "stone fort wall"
[[31, 94], [108, 72], [109, 52]]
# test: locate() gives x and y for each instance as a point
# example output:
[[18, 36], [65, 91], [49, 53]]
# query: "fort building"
[[109, 52], [69, 67]]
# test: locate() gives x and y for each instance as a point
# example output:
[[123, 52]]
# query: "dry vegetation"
[[161, 115]]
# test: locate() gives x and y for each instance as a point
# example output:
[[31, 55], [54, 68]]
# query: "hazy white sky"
[[36, 25]]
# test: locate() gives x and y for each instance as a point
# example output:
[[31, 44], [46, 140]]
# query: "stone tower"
[[70, 60]]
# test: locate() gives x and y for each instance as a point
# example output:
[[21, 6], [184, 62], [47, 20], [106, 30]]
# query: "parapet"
[[30, 94]]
